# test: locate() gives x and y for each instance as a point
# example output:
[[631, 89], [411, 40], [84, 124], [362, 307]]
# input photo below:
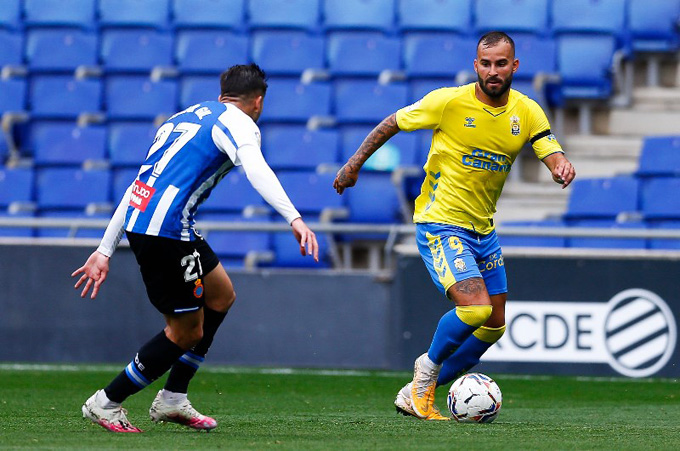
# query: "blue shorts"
[[452, 254]]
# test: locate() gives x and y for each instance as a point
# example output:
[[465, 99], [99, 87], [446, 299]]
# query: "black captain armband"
[[540, 135]]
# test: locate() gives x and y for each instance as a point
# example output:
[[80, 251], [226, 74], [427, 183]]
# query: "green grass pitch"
[[325, 410]]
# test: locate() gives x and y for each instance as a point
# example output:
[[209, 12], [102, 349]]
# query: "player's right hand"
[[306, 238], [94, 273], [345, 178]]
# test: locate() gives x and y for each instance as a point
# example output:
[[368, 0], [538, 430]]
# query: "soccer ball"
[[474, 398]]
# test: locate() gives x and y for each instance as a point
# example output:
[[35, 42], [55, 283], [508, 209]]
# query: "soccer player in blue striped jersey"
[[192, 151]]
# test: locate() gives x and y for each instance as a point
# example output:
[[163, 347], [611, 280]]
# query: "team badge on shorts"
[[198, 289], [459, 264], [514, 125]]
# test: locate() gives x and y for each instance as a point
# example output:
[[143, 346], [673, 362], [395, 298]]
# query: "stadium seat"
[[17, 232], [233, 194], [536, 54], [585, 66], [287, 52], [589, 16], [507, 240], [198, 88], [60, 50], [67, 188], [209, 51], [16, 186], [373, 200], [122, 178], [438, 55], [399, 151], [287, 251], [362, 101], [64, 97], [362, 53], [235, 245], [292, 101], [151, 49], [512, 16], [659, 198], [602, 198], [60, 13], [137, 97], [10, 14], [4, 147], [12, 95], [435, 15], [11, 48], [67, 144], [664, 243], [526, 87], [133, 13], [129, 142], [208, 13], [420, 87], [311, 192], [300, 14], [660, 157], [70, 232], [603, 242], [653, 25], [295, 147], [359, 14]]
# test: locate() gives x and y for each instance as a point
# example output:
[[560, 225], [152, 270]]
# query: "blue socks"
[[450, 334]]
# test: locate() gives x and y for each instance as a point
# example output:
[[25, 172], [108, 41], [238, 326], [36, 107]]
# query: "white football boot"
[[182, 413], [112, 419]]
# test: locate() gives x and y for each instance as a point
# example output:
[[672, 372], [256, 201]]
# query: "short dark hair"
[[243, 80], [492, 38]]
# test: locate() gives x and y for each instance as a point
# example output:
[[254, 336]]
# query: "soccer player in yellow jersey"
[[478, 131]]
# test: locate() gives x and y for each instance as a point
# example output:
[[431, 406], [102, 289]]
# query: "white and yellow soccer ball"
[[474, 398]]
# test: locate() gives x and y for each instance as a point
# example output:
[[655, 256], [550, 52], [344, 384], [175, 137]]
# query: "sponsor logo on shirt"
[[514, 125], [469, 122], [489, 161], [141, 194]]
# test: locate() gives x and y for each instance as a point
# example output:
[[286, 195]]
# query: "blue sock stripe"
[[135, 376], [192, 360]]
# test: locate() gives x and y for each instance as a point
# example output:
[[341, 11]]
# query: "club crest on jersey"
[[469, 122], [459, 264], [514, 125], [198, 289], [140, 195]]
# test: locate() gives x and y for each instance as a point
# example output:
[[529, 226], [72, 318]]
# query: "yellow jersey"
[[473, 148]]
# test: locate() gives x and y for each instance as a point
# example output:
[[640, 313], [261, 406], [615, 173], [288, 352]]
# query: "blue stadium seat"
[[208, 13], [11, 48], [359, 14], [17, 232], [660, 157], [67, 144], [526, 87], [419, 87], [198, 88], [10, 14], [659, 198], [291, 101], [589, 16], [137, 97], [67, 232], [373, 200], [64, 97], [67, 188], [585, 66], [599, 243], [532, 241], [60, 50], [512, 16], [362, 53], [536, 55], [295, 147], [602, 198], [664, 243], [122, 178], [301, 14], [134, 13], [653, 25], [235, 244], [151, 49], [60, 13], [233, 194], [311, 192], [129, 142], [287, 251], [361, 101], [16, 185], [438, 55], [435, 15], [287, 52], [4, 147], [209, 51], [399, 151], [12, 95]]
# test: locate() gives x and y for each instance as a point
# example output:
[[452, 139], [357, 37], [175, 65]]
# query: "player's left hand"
[[563, 173], [306, 238], [345, 178], [94, 273]]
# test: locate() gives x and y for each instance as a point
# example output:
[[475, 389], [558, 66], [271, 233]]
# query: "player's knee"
[[489, 334], [474, 315]]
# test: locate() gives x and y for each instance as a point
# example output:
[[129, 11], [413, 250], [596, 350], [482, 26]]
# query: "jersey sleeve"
[[541, 137], [426, 113]]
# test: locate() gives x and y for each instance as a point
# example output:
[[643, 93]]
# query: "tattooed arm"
[[347, 175]]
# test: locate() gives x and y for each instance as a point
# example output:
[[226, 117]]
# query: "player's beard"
[[495, 93]]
